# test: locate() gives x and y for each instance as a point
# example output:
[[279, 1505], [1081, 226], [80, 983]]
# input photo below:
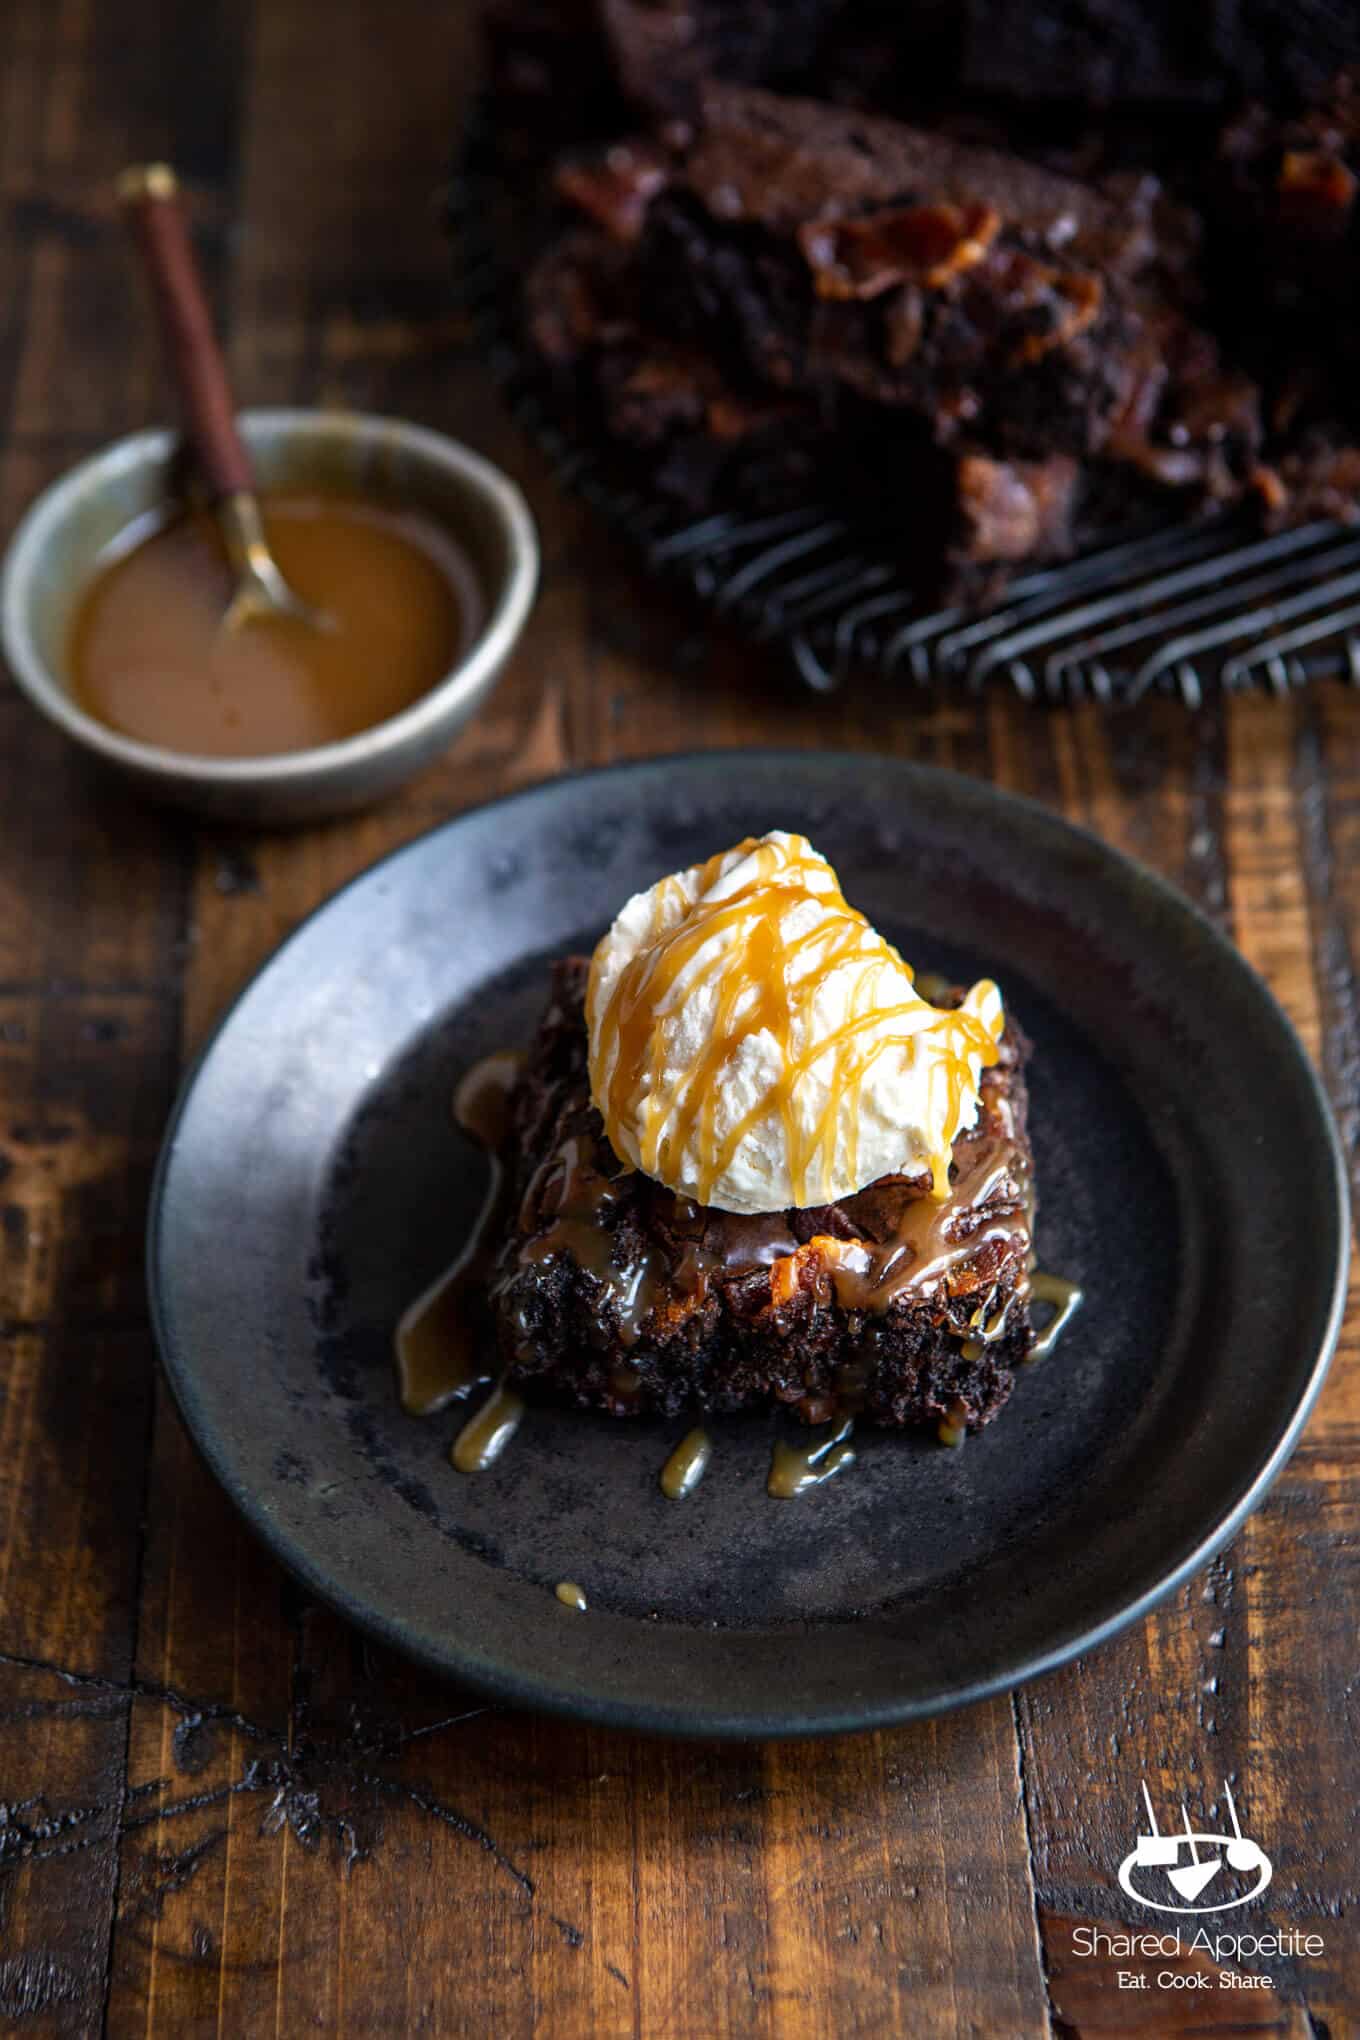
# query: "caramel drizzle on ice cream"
[[766, 983]]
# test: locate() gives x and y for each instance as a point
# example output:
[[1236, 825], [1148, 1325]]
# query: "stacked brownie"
[[762, 298], [951, 341]]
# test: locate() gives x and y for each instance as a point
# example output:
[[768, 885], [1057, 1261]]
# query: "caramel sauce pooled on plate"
[[795, 1468], [149, 656], [687, 1465], [484, 1437], [1066, 1298], [443, 1338]]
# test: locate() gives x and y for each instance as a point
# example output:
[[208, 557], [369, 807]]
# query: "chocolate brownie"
[[611, 1293], [984, 356], [939, 333]]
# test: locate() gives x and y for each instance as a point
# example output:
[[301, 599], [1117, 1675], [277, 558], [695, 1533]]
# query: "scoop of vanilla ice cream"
[[756, 1045]]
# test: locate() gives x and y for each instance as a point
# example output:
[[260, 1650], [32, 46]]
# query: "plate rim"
[[741, 1724]]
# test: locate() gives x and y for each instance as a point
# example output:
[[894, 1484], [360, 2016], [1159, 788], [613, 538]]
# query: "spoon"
[[150, 195]]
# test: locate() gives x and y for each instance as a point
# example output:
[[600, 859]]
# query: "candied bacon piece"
[[1271, 490], [1320, 480], [1080, 298], [614, 189], [1068, 301], [1316, 184], [869, 253]]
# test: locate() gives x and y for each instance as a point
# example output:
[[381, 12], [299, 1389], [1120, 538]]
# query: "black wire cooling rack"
[[1186, 609]]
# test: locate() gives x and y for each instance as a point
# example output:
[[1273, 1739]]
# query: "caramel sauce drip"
[[687, 1465], [442, 1339], [1066, 1299], [571, 1596], [481, 1102], [988, 1203], [485, 1436], [952, 1429], [727, 1242], [760, 990], [439, 1355], [566, 1209], [796, 1468], [569, 1203]]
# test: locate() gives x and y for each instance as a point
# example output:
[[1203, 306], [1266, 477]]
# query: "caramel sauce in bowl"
[[430, 506], [150, 656]]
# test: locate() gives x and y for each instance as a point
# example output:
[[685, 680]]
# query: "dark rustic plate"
[[312, 1184]]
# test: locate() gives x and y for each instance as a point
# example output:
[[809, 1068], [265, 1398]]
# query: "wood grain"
[[221, 1811]]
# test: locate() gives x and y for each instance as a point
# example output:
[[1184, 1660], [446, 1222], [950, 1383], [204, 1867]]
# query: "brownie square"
[[955, 345], [611, 1293]]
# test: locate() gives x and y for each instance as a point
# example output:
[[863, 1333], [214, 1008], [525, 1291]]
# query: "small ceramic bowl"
[[57, 549]]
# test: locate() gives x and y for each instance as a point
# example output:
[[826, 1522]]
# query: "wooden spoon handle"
[[150, 195]]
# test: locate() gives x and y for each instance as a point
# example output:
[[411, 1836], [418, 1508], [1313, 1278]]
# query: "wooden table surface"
[[221, 1809]]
